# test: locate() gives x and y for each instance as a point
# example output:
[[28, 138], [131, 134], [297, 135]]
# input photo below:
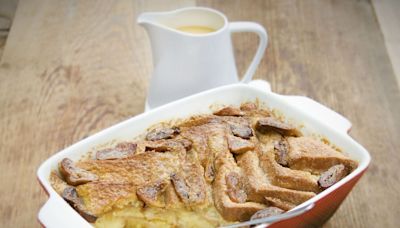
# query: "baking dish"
[[316, 119]]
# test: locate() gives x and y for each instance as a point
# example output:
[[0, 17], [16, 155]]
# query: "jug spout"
[[156, 26], [146, 19]]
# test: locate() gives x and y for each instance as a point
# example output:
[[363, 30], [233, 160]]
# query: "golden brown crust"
[[230, 210], [261, 183], [235, 187], [171, 198], [314, 156], [58, 184], [282, 204], [248, 107], [243, 131], [271, 124], [190, 185], [139, 170], [162, 133], [151, 193], [75, 175], [229, 111], [101, 197], [218, 161], [122, 150], [238, 145], [71, 196]]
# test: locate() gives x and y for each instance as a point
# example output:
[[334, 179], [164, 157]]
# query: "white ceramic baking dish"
[[315, 118]]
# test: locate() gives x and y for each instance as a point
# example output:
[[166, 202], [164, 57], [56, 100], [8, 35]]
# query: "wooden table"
[[72, 68]]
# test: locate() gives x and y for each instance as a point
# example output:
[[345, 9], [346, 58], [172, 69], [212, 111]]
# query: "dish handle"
[[321, 112], [315, 109], [57, 213]]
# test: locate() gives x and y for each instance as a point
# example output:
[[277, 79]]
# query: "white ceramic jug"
[[186, 63]]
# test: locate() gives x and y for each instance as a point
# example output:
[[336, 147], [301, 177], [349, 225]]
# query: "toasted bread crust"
[[243, 162]]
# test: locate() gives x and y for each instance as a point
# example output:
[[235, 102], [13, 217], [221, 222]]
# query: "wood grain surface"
[[72, 68]]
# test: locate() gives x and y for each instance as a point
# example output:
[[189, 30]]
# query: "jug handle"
[[263, 37]]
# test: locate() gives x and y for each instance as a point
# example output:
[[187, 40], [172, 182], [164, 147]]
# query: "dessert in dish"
[[236, 164]]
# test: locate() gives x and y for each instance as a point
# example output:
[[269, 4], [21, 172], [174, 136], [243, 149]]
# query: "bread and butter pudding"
[[237, 164]]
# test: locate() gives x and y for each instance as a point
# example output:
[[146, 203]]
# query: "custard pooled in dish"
[[206, 171]]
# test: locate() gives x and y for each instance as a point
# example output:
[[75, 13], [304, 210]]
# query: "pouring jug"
[[192, 52]]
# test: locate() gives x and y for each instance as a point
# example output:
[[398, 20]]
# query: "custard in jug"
[[196, 29]]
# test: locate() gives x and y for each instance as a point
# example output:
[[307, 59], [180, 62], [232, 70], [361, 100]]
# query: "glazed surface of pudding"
[[236, 164]]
